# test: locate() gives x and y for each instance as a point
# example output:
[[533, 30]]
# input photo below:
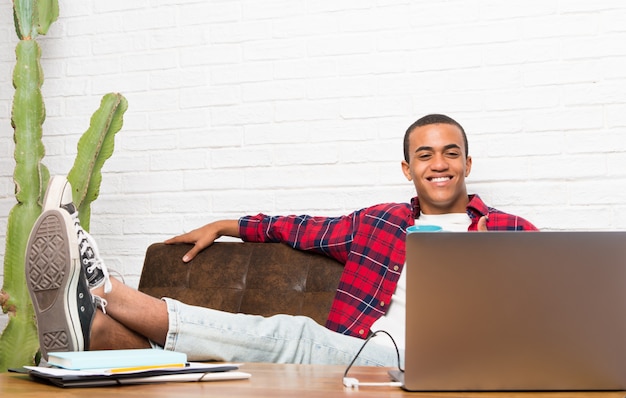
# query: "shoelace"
[[95, 262], [100, 302]]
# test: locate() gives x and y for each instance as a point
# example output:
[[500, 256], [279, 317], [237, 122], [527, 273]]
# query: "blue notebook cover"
[[114, 359]]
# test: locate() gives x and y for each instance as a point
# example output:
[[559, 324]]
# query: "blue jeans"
[[206, 334]]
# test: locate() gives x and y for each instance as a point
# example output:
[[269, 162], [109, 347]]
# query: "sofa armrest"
[[253, 278]]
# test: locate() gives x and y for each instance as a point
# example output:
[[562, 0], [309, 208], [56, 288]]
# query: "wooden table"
[[268, 380]]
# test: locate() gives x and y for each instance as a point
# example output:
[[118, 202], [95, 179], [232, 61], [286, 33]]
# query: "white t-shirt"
[[393, 322]]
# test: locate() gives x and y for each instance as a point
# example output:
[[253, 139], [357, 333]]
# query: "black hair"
[[432, 119]]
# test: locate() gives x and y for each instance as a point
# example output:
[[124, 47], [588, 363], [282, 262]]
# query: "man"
[[370, 295]]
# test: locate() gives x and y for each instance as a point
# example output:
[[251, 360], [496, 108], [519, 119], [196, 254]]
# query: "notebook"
[[193, 372], [113, 359], [515, 311]]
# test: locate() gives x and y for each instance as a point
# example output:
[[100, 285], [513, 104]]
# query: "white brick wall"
[[288, 106]]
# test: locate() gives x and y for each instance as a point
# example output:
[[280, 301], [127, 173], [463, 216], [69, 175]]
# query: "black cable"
[[345, 374]]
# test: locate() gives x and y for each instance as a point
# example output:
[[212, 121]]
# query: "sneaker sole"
[[52, 272]]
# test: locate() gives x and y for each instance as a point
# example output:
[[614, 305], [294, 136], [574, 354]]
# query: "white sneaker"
[[64, 307], [59, 195]]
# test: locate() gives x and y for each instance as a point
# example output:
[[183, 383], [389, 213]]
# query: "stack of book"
[[118, 367]]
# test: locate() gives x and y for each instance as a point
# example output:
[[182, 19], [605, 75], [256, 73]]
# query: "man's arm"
[[331, 236], [203, 237]]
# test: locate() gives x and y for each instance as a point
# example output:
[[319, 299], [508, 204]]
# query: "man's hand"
[[482, 224], [203, 237]]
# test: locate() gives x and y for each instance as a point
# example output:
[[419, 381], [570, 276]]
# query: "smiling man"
[[370, 242], [437, 161]]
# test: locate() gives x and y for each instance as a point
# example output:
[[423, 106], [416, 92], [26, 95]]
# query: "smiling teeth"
[[440, 179]]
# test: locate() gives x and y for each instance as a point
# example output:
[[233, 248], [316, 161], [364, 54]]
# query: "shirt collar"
[[475, 208]]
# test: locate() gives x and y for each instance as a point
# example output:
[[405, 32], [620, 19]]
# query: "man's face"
[[438, 167]]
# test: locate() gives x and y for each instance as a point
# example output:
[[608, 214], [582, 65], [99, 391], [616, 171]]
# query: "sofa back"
[[253, 278]]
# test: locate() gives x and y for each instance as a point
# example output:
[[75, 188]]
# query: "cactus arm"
[[47, 12], [30, 175], [23, 11], [94, 148], [27, 119], [18, 343], [33, 17]]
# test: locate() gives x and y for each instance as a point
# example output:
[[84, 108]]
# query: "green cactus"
[[19, 341]]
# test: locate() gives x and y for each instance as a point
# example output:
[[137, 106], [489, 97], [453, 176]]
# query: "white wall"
[[286, 106]]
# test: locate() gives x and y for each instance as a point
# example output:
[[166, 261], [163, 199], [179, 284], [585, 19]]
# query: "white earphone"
[[352, 382]]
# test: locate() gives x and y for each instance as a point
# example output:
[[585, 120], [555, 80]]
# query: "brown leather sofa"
[[253, 278]]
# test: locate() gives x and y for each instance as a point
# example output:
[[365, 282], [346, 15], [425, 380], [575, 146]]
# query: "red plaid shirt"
[[371, 244]]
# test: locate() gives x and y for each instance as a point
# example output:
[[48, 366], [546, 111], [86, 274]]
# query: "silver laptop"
[[515, 311]]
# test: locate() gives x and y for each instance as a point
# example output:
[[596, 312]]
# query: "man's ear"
[[406, 170], [468, 166]]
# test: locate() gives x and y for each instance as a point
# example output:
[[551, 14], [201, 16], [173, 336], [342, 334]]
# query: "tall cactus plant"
[[18, 342]]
